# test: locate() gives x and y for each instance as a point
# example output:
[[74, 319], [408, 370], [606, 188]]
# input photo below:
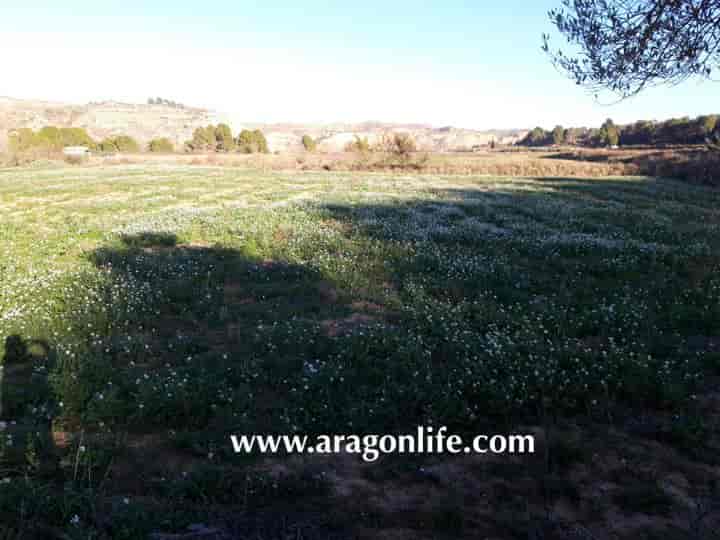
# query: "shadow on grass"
[[271, 345], [26, 441], [199, 342]]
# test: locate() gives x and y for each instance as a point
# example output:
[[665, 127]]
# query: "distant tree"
[[707, 126], [537, 137], [709, 123], [261, 141], [151, 101], [403, 144], [641, 132], [108, 145], [203, 140], [50, 137], [398, 144], [22, 140], [224, 141], [558, 135], [48, 140], [309, 143], [252, 141], [627, 45], [679, 131], [76, 137], [121, 143], [360, 145], [162, 145], [576, 135], [245, 142], [609, 134], [713, 139], [126, 144], [209, 137]]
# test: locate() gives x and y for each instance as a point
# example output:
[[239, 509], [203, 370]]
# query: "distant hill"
[[104, 119], [334, 137], [145, 122]]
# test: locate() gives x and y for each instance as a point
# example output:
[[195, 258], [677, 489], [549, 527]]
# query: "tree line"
[[167, 102], [220, 139], [51, 139], [675, 131], [54, 139]]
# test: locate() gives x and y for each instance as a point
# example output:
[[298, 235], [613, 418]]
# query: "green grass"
[[192, 303]]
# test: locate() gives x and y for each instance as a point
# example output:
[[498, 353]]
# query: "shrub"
[[224, 141], [203, 140], [121, 143], [402, 145], [161, 145], [399, 146], [25, 145], [713, 140], [609, 134], [77, 137], [22, 139], [309, 143], [220, 139], [360, 145], [537, 137], [108, 145], [50, 137], [249, 142], [125, 143]]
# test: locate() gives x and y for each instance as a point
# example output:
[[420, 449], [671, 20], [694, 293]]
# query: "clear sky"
[[473, 63]]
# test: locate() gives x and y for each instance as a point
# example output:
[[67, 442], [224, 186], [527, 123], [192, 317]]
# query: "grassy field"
[[150, 311]]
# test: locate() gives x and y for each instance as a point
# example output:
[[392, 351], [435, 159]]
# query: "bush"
[[50, 137], [224, 141], [121, 143], [161, 145], [309, 143], [203, 140], [211, 139], [108, 145], [77, 137], [360, 145], [249, 142], [537, 137], [399, 147], [125, 143], [22, 140], [25, 145], [713, 141]]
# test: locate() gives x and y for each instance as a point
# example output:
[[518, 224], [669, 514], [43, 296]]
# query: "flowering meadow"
[[147, 312]]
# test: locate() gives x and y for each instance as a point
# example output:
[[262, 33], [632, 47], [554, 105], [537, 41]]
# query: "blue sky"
[[468, 64]]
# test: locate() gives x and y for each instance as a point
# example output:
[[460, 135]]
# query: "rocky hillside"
[[335, 137], [109, 118], [146, 122]]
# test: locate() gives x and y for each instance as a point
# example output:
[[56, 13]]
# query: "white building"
[[76, 151]]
